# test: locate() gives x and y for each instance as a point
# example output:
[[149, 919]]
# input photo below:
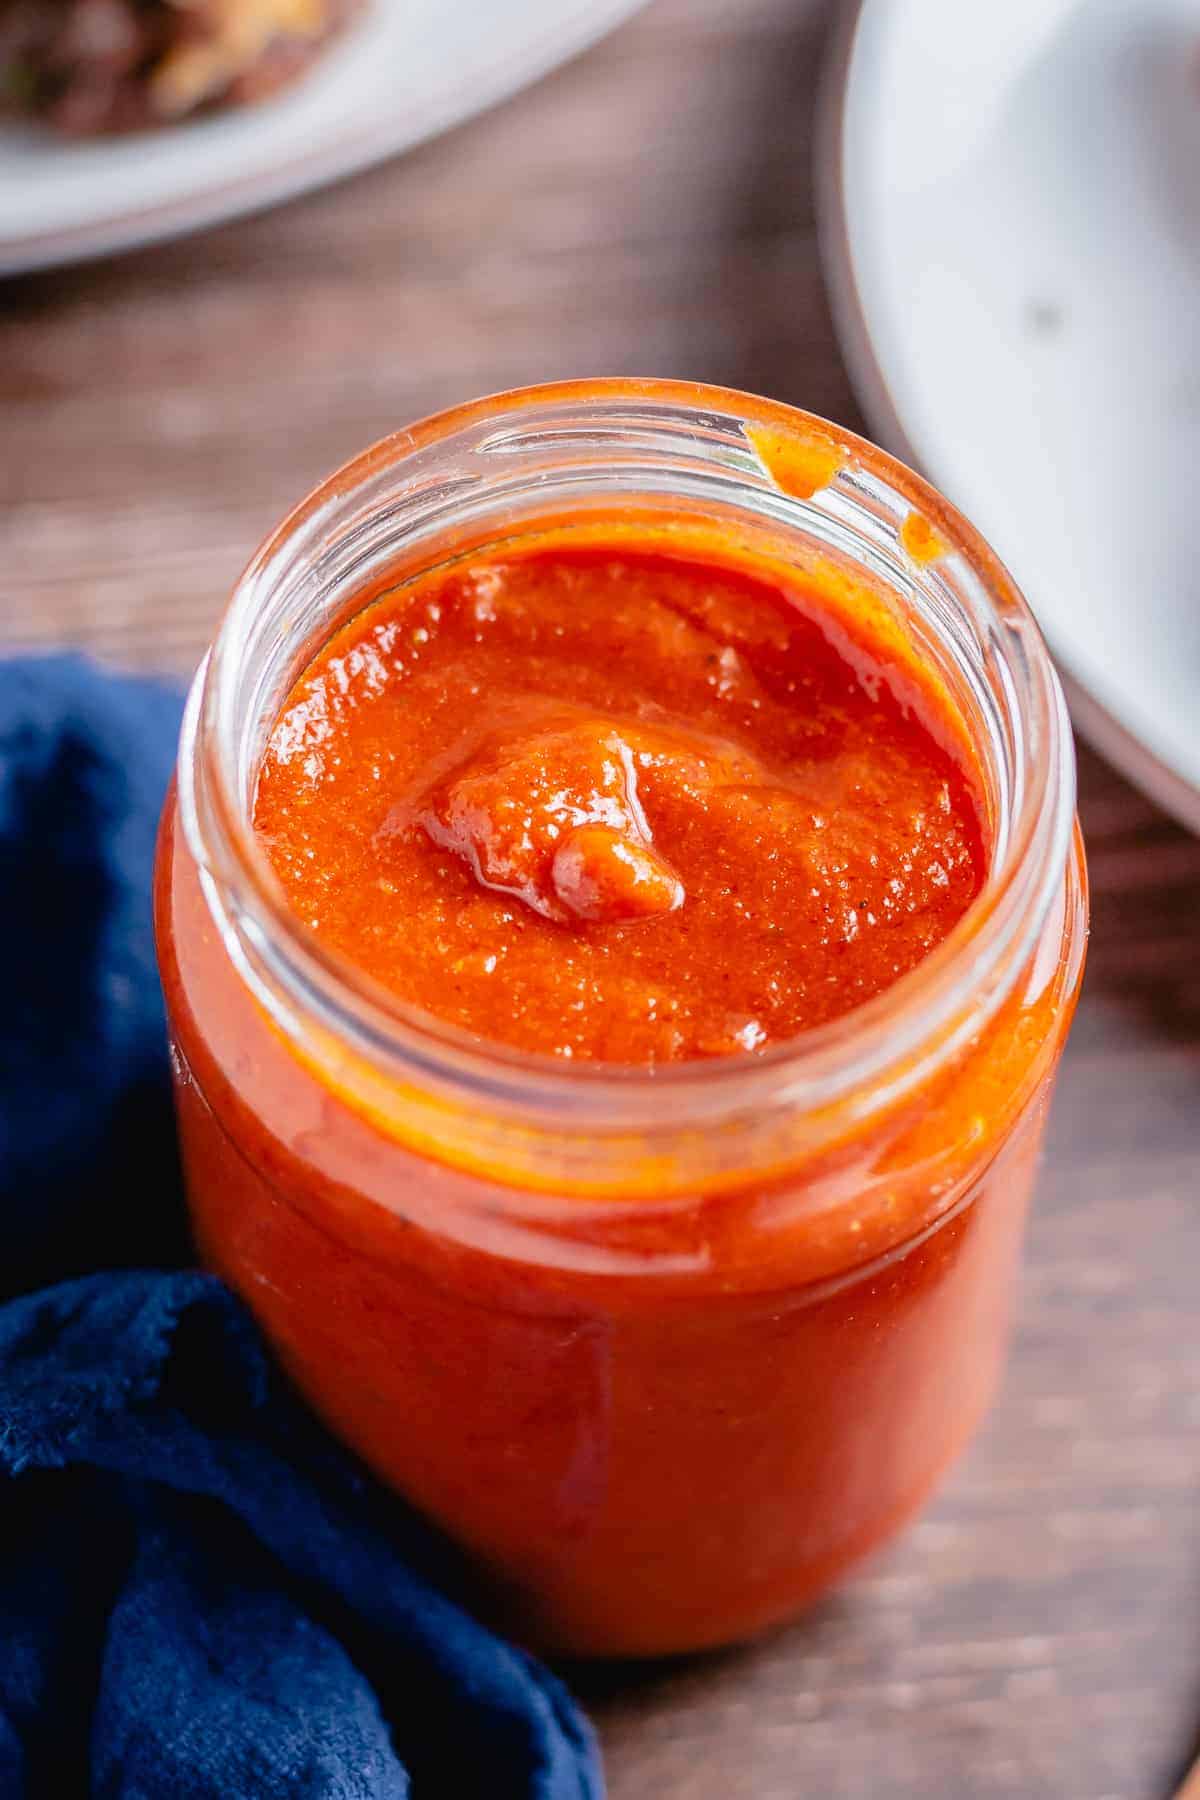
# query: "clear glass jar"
[[665, 1351]]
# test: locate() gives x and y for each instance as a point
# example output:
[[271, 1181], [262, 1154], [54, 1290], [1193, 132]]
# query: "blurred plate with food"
[[1011, 217], [124, 121]]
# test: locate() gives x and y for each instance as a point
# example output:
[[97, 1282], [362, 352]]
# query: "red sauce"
[[618, 805], [636, 798]]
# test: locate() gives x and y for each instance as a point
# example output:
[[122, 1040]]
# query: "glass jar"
[[665, 1350]]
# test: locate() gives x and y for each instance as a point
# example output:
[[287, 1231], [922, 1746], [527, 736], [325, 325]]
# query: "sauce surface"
[[614, 804]]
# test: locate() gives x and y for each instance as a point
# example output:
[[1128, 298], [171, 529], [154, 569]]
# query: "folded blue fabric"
[[201, 1596]]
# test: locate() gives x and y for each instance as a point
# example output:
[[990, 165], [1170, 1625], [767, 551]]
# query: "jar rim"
[[877, 1047]]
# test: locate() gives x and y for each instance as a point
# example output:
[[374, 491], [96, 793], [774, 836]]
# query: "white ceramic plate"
[[1011, 217], [409, 69]]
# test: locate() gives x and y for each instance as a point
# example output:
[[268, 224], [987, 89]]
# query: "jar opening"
[[575, 455]]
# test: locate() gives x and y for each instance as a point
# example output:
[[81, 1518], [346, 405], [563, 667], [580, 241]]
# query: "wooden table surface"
[[648, 210]]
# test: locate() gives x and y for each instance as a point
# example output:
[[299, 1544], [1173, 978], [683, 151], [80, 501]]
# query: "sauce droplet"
[[797, 465], [923, 543]]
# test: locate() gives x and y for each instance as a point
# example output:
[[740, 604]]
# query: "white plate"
[[1011, 217], [407, 70]]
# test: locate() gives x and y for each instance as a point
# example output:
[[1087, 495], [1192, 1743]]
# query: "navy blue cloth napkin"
[[201, 1596]]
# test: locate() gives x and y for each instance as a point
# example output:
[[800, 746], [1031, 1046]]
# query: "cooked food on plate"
[[94, 66]]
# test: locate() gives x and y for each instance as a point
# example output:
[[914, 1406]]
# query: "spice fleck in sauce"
[[611, 804]]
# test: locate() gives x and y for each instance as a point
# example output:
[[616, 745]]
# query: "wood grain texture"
[[648, 210]]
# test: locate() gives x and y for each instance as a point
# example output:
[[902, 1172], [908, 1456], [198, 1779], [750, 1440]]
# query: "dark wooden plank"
[[648, 210]]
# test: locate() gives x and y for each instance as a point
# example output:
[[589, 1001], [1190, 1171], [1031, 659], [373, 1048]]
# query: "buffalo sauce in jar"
[[617, 805], [616, 987]]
